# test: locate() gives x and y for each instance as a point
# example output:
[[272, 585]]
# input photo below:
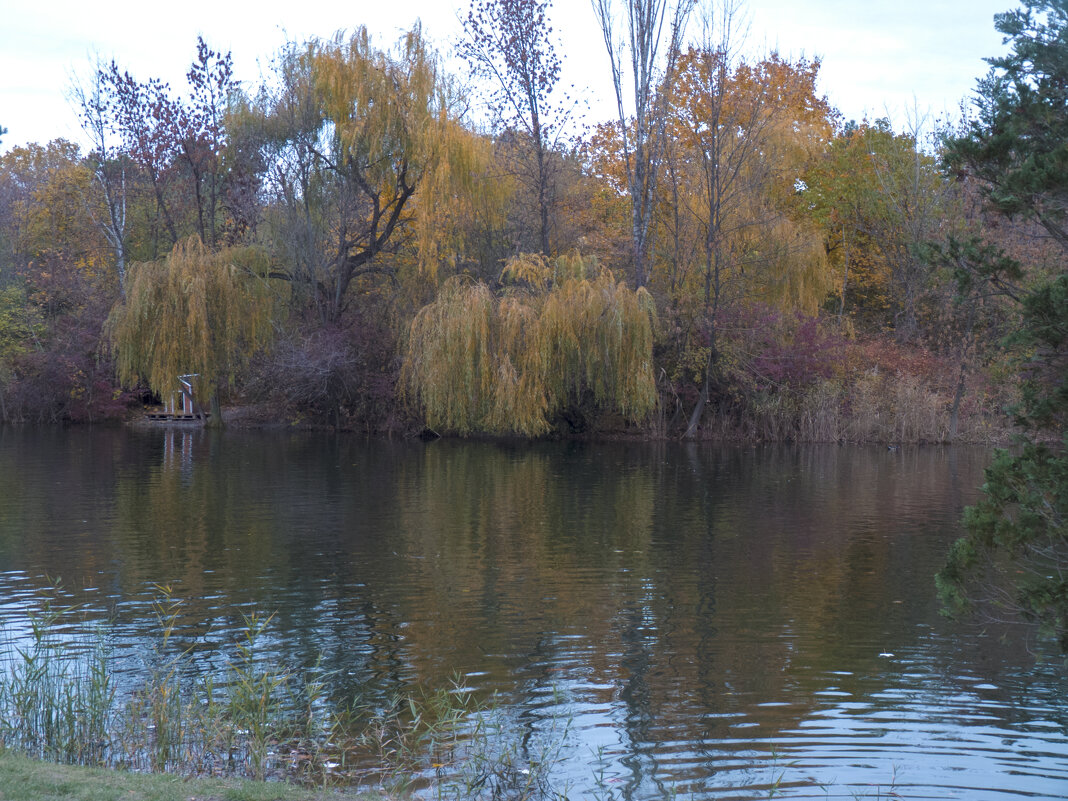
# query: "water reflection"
[[711, 620]]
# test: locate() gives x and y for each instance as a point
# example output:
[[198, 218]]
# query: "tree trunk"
[[706, 391], [845, 276], [958, 396], [543, 185], [215, 420], [962, 379]]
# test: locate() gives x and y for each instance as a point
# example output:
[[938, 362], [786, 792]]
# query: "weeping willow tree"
[[193, 312], [564, 343], [365, 155]]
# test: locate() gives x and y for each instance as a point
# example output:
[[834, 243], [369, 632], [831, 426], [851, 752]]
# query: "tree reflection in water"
[[691, 609]]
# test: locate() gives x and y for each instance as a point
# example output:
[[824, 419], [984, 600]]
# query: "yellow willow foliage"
[[542, 273], [510, 364], [533, 269], [462, 187], [396, 121], [450, 365], [597, 335], [384, 106], [520, 402], [796, 276], [193, 311]]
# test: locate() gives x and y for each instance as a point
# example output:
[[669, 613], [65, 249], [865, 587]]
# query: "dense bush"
[[343, 375]]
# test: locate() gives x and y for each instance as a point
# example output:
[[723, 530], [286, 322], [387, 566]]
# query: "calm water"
[[712, 621]]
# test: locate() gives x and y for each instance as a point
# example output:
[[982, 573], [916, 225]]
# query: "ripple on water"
[[715, 622]]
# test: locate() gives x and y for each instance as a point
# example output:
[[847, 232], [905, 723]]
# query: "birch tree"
[[109, 164]]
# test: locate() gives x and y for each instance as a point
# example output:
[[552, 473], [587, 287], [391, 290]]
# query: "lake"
[[664, 618]]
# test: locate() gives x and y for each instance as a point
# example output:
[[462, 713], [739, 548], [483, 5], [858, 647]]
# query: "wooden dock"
[[180, 408], [176, 417]]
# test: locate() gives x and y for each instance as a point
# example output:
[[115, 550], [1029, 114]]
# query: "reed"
[[255, 720], [260, 720], [56, 696], [820, 417], [871, 406]]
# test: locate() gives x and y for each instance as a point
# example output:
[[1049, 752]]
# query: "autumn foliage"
[[565, 341], [195, 312], [364, 242]]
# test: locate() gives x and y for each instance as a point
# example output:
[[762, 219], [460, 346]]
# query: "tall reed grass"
[[56, 696], [256, 719], [870, 406]]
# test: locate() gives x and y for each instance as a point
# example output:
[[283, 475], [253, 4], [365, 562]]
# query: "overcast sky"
[[879, 58]]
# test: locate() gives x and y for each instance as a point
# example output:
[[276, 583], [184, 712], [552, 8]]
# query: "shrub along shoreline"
[[877, 405]]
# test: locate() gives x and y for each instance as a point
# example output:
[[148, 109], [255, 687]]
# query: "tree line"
[[368, 242]]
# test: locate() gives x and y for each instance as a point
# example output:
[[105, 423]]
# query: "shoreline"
[[24, 778], [994, 432]]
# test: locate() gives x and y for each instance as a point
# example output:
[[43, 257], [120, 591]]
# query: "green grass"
[[25, 779]]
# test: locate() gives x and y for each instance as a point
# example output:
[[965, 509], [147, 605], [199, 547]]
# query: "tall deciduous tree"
[[45, 227], [509, 44], [354, 132], [908, 209], [55, 265], [742, 136], [880, 197], [147, 119], [837, 190], [203, 135], [653, 54], [109, 165], [176, 143]]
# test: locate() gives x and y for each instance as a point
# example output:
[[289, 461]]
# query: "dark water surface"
[[714, 622]]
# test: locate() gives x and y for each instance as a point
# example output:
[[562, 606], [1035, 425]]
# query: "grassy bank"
[[25, 779]]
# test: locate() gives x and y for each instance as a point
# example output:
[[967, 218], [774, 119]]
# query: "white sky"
[[879, 58]]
